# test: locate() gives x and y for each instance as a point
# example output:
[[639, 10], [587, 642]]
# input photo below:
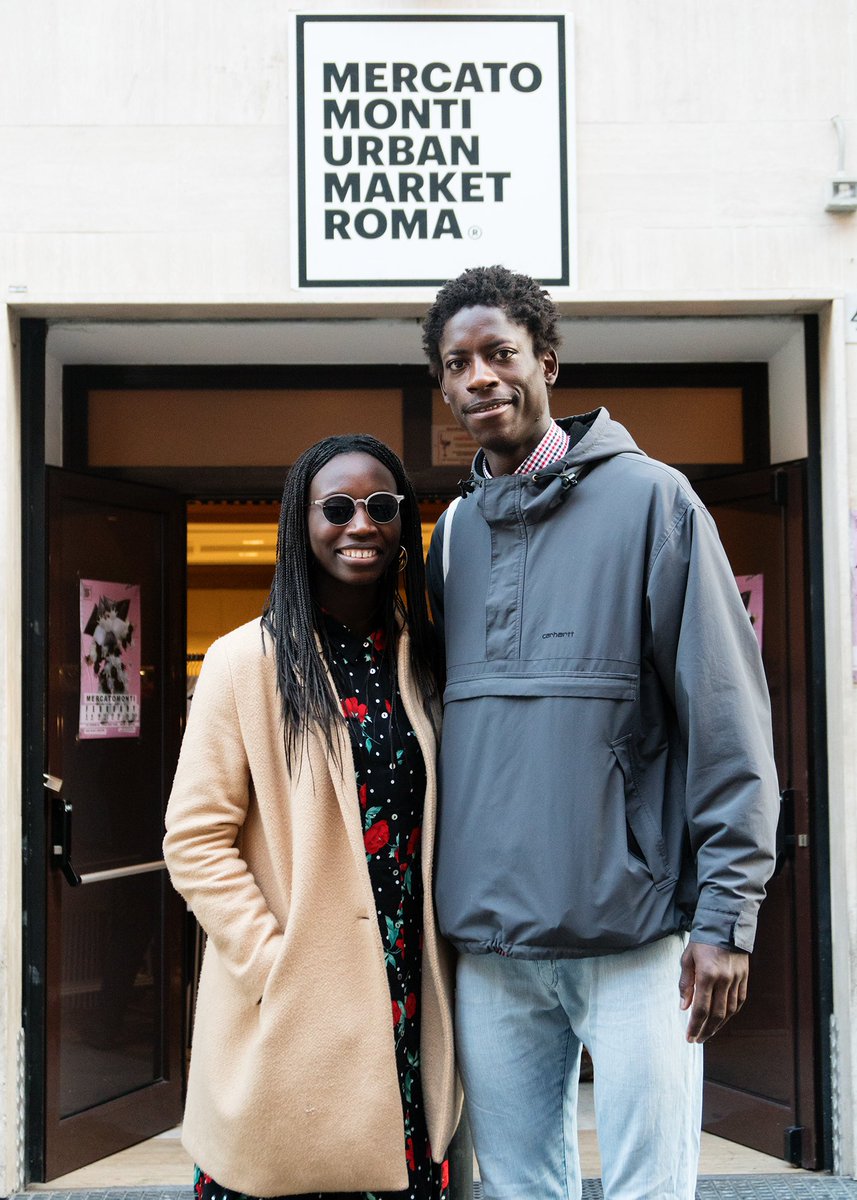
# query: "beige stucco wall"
[[144, 169], [144, 148]]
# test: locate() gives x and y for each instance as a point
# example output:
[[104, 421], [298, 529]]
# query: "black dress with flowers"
[[391, 786]]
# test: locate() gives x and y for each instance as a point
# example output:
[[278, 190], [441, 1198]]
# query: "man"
[[608, 792]]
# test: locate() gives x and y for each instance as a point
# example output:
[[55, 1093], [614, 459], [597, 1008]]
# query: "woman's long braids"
[[292, 618]]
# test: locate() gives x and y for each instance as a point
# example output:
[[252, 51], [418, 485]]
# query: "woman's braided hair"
[[294, 621]]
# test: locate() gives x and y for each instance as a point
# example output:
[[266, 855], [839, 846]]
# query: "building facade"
[[161, 167]]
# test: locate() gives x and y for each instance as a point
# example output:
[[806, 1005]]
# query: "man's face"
[[495, 384]]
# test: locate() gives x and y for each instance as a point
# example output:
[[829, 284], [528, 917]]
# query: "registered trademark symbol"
[[474, 233]]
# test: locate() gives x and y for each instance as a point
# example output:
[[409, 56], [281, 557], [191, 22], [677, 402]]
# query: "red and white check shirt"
[[553, 446]]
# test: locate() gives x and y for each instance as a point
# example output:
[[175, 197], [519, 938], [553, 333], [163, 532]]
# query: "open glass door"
[[116, 620], [761, 1071]]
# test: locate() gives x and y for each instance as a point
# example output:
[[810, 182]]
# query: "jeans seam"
[[562, 1113]]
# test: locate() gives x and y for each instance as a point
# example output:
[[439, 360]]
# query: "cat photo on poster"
[[109, 659]]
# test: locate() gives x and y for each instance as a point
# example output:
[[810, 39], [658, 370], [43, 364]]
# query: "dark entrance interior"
[[709, 420]]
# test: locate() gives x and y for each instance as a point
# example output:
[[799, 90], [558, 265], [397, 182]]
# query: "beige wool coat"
[[293, 1084]]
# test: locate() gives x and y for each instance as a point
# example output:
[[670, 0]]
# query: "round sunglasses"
[[381, 507]]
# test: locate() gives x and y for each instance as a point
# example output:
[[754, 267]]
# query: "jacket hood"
[[601, 437], [595, 436]]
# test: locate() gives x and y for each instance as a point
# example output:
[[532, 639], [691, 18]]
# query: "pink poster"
[[753, 594], [109, 659]]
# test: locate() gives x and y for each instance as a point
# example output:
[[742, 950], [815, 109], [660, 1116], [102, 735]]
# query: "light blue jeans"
[[520, 1025]]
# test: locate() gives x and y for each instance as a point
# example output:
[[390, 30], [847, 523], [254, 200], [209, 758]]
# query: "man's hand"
[[713, 985]]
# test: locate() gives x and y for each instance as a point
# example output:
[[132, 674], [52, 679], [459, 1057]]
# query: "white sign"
[[425, 144], [451, 446]]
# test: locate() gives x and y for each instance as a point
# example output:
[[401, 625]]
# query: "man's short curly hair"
[[520, 297]]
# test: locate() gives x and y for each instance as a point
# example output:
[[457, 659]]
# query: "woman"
[[300, 827]]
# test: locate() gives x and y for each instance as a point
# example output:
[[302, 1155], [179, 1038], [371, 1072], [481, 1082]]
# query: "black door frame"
[[817, 704], [33, 344], [415, 383], [34, 685]]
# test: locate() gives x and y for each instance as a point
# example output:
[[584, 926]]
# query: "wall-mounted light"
[[843, 188]]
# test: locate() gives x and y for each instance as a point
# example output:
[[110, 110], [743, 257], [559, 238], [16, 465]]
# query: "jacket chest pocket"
[[643, 828]]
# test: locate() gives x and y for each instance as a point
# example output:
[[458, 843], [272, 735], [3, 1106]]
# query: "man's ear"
[[550, 366], [439, 378]]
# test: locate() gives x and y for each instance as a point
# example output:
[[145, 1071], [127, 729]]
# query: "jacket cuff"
[[721, 927]]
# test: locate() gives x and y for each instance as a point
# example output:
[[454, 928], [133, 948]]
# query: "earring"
[[403, 558]]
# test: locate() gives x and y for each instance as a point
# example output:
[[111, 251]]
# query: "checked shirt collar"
[[552, 447]]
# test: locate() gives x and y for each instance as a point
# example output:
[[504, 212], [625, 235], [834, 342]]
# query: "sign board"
[[451, 446], [424, 144]]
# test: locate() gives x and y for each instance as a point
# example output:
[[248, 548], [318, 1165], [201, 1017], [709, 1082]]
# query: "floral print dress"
[[391, 784]]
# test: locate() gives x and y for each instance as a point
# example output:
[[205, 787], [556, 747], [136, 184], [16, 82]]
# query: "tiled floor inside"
[[163, 1162]]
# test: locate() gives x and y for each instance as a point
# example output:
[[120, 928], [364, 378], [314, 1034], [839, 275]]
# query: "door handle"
[[61, 814], [123, 872]]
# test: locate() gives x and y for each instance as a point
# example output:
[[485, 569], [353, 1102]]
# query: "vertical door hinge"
[[780, 488], [793, 1144]]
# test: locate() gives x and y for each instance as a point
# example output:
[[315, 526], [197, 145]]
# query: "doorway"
[[227, 493]]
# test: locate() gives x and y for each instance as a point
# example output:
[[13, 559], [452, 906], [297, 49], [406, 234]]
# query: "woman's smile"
[[354, 555], [359, 552]]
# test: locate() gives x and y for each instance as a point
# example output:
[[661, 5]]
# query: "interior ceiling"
[[584, 339]]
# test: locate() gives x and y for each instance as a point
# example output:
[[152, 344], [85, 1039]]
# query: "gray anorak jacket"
[[606, 769]]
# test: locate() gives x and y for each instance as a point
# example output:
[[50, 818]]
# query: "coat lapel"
[[345, 785], [342, 768], [427, 738]]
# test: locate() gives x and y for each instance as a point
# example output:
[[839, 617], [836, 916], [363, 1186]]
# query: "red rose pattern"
[[376, 837], [200, 1182], [352, 707]]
